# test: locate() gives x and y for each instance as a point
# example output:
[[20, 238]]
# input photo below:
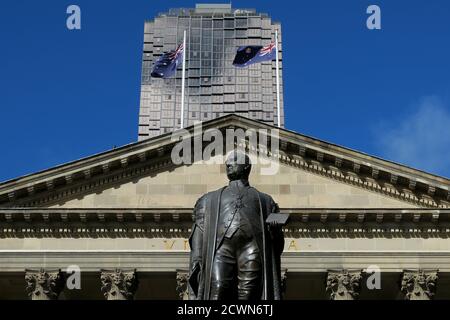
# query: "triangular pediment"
[[312, 173]]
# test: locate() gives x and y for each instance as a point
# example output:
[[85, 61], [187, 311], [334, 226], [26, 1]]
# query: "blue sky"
[[67, 94]]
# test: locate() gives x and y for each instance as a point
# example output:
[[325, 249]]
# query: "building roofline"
[[312, 148], [208, 123]]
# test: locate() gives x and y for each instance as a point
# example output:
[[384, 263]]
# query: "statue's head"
[[238, 165]]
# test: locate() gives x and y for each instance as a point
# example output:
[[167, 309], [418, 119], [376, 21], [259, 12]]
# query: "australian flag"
[[248, 55], [167, 64]]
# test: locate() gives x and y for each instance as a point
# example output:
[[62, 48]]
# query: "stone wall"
[[180, 188]]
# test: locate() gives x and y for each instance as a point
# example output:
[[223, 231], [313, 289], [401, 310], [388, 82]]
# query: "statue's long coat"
[[203, 245]]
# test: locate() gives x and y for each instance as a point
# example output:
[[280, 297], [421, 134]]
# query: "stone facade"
[[127, 213], [181, 187]]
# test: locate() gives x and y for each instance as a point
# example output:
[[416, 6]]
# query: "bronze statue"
[[235, 250]]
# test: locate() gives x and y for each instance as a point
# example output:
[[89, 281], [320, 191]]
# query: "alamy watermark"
[[73, 21], [373, 281], [262, 146], [374, 20], [73, 280]]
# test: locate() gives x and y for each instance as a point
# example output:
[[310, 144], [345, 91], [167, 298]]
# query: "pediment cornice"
[[153, 155]]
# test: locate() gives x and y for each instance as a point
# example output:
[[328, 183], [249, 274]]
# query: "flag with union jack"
[[167, 64], [248, 55]]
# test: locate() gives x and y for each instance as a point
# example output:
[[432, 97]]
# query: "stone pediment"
[[313, 173]]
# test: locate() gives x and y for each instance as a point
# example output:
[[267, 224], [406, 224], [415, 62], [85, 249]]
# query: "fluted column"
[[419, 284], [344, 284], [44, 284], [182, 284], [119, 284]]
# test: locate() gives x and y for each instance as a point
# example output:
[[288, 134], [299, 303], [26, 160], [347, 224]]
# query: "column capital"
[[343, 284], [119, 284], [419, 284], [44, 284]]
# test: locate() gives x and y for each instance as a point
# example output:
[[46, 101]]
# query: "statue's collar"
[[241, 183]]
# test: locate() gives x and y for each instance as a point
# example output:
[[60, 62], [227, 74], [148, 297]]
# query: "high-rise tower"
[[214, 87]]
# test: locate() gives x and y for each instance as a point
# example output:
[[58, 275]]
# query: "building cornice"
[[171, 261], [168, 222], [296, 150]]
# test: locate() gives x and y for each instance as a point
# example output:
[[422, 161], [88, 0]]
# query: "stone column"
[[419, 284], [182, 284], [44, 284], [344, 284], [119, 284]]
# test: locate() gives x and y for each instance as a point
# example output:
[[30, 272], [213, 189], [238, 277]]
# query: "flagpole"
[[183, 75], [278, 79]]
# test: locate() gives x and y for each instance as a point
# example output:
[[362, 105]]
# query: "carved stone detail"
[[44, 284], [119, 284], [182, 284], [419, 284], [343, 284]]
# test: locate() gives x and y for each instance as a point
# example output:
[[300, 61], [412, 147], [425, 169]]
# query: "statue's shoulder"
[[201, 202], [267, 200], [199, 210]]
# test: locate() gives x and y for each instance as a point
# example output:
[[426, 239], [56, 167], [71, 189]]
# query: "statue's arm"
[[196, 240], [276, 231], [196, 244]]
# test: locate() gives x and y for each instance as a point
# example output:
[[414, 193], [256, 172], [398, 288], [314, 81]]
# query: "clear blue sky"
[[67, 94]]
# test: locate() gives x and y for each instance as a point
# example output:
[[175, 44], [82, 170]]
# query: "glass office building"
[[214, 87]]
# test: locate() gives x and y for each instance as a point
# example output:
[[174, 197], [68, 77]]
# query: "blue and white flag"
[[248, 55], [167, 64]]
